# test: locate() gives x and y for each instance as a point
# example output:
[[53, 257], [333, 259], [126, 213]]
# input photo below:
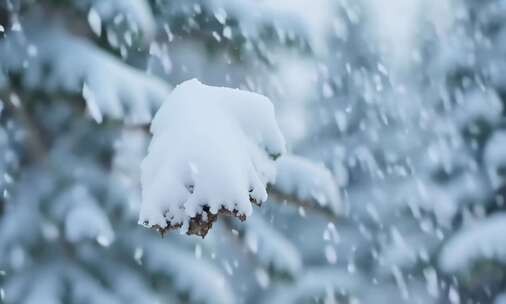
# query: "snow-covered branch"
[[272, 249], [60, 62], [212, 152], [191, 276], [307, 184], [482, 240], [134, 16]]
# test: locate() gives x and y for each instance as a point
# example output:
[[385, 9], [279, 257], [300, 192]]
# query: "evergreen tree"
[[392, 190]]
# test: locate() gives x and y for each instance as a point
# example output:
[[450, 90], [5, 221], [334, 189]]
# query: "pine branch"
[[280, 197], [36, 148]]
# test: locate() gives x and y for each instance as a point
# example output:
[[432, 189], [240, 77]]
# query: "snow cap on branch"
[[307, 181], [212, 151], [109, 87], [482, 240]]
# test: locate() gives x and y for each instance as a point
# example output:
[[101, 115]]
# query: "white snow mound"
[[212, 150]]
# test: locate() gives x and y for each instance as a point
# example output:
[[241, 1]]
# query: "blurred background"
[[393, 111]]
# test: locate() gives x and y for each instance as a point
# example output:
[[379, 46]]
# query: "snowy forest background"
[[393, 111]]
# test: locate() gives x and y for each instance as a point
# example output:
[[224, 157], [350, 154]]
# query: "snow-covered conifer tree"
[[370, 133]]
